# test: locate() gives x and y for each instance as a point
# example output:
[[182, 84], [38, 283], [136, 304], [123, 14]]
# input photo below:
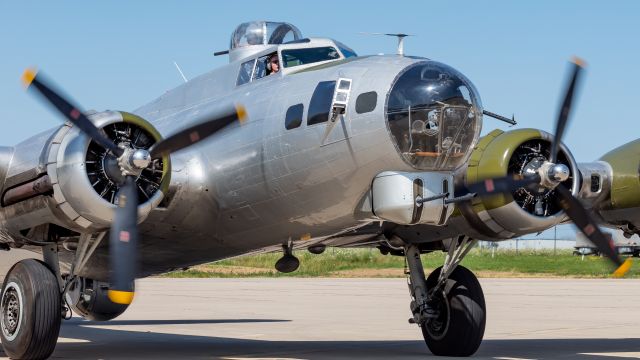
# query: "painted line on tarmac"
[[628, 355], [71, 340], [259, 358]]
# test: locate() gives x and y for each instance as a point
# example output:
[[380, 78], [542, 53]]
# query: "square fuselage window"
[[366, 102], [293, 118], [320, 104]]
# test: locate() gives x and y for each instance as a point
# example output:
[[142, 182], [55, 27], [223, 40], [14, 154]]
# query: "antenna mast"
[[400, 37], [180, 71]]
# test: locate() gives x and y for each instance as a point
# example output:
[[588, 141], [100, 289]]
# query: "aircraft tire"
[[31, 312], [459, 329]]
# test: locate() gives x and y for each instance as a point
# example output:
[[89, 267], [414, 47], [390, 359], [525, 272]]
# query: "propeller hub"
[[140, 158], [133, 161], [551, 175], [558, 172]]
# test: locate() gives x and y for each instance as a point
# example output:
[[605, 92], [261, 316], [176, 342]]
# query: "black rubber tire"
[[41, 311], [467, 315]]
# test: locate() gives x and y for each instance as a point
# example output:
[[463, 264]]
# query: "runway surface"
[[354, 318]]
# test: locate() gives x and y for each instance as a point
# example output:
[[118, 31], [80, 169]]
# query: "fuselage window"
[[296, 57], [244, 76], [293, 119], [320, 104], [366, 102]]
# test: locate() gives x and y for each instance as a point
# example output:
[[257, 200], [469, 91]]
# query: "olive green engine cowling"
[[499, 216], [625, 176], [490, 159]]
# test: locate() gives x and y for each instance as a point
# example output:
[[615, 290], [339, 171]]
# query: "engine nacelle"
[[612, 186], [84, 177], [625, 176], [89, 299], [78, 178], [523, 211]]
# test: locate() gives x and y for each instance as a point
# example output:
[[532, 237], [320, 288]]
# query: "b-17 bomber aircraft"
[[297, 143]]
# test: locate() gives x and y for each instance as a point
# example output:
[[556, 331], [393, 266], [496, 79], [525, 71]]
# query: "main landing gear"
[[31, 311], [448, 305], [35, 298]]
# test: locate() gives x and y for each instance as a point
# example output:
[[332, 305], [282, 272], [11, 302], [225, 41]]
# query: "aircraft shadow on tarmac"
[[80, 322], [89, 341]]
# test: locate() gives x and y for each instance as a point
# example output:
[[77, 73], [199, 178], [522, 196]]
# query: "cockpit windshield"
[[434, 115], [295, 57], [345, 50]]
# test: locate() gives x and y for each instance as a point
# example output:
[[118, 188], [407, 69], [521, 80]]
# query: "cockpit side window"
[[296, 57], [261, 68], [246, 69]]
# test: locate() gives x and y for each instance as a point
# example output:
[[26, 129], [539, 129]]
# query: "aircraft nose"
[[434, 115]]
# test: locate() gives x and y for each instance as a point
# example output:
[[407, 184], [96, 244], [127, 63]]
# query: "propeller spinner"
[[124, 230]]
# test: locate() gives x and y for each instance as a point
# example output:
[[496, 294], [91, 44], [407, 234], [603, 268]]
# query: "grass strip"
[[370, 263]]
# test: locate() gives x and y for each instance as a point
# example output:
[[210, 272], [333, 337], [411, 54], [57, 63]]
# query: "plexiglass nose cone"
[[434, 116]]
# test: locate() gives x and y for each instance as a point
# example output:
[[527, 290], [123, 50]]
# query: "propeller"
[[123, 239], [551, 174], [565, 109], [70, 111], [503, 185]]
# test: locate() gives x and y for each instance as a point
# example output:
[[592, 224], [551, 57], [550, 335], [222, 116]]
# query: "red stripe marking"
[[125, 236], [75, 114], [589, 229], [194, 136], [488, 184]]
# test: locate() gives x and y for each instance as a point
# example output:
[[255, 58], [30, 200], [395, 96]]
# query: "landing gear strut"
[[449, 305]]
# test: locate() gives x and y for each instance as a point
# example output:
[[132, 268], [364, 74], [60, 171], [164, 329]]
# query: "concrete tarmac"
[[354, 318]]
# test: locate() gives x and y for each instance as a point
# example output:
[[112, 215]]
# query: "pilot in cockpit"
[[273, 64]]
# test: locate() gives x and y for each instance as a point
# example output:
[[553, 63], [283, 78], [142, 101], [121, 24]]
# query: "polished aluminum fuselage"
[[254, 186], [258, 185]]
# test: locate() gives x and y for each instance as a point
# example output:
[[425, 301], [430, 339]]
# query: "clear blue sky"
[[119, 54]]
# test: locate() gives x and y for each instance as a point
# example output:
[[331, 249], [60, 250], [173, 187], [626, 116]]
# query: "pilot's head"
[[273, 64]]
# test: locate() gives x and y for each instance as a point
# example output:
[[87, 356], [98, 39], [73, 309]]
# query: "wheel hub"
[[11, 312], [437, 326]]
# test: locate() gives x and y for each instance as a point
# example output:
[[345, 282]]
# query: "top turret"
[[255, 36]]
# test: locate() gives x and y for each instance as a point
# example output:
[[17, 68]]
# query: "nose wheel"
[[458, 327], [449, 304]]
